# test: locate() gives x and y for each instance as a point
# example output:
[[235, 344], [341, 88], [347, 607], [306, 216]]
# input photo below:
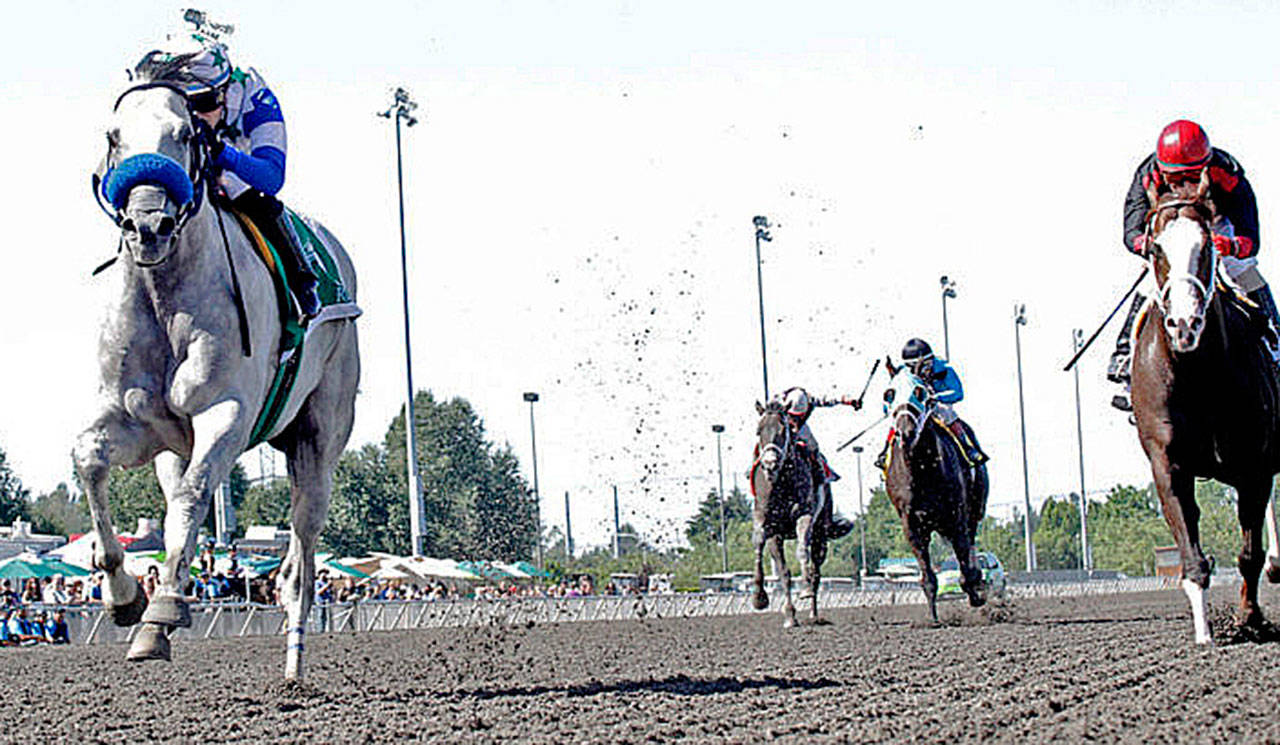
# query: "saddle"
[[335, 304]]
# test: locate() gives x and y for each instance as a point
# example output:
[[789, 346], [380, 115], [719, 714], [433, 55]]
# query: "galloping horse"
[[1205, 395], [787, 505], [932, 486], [185, 369]]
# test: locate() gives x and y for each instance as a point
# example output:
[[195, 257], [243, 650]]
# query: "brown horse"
[[932, 486], [787, 505], [1205, 395]]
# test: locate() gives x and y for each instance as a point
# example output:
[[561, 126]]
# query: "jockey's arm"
[[1136, 206], [946, 386], [1242, 211], [263, 166]]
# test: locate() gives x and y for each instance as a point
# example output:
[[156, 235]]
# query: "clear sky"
[[580, 193]]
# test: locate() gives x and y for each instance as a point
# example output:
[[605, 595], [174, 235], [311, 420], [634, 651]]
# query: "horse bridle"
[[1205, 292], [773, 446], [198, 169]]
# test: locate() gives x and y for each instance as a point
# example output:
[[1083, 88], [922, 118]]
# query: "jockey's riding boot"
[[881, 459], [970, 442], [304, 277], [1118, 369], [839, 527], [1262, 296]]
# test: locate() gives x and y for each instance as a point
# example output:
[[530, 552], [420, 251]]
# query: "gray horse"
[[182, 383]]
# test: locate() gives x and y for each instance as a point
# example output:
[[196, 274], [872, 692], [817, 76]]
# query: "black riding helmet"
[[917, 355]]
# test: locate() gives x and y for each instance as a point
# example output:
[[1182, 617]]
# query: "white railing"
[[90, 625]]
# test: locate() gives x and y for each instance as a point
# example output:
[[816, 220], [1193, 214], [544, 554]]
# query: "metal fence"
[[90, 625]]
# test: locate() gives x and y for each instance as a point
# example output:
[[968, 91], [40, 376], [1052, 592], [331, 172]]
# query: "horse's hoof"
[[760, 602], [1273, 570], [977, 601], [168, 610], [150, 643], [129, 613], [819, 621], [790, 623]]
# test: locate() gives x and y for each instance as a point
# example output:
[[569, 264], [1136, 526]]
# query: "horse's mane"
[[157, 67]]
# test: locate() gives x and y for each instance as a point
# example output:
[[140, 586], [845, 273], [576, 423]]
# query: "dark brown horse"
[[932, 486], [1205, 395], [787, 505]]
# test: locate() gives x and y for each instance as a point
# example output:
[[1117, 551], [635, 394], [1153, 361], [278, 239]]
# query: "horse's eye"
[[919, 393], [888, 396]]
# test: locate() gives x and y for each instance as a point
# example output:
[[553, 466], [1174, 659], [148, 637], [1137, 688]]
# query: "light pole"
[[862, 523], [724, 542], [762, 234], [948, 291], [1020, 320], [402, 109], [532, 398], [1077, 338]]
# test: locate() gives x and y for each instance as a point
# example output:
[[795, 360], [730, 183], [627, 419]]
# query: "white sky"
[[580, 195]]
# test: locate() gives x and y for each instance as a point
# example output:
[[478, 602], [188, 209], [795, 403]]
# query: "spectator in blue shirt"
[[55, 629]]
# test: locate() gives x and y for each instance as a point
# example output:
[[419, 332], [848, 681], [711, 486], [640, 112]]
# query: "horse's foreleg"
[[919, 540], [760, 600], [784, 576], [111, 441], [219, 435], [1273, 541], [1253, 503], [1178, 503], [971, 575]]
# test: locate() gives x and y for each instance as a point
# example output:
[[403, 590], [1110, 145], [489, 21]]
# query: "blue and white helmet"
[[196, 63]]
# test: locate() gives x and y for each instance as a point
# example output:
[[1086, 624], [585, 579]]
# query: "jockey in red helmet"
[[1183, 153], [799, 405]]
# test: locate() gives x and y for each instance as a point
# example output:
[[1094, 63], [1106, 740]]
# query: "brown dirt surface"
[[1110, 668]]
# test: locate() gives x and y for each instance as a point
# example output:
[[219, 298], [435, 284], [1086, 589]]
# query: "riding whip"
[[1123, 300], [868, 385], [863, 432]]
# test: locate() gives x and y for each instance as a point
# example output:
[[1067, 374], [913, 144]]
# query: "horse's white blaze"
[[1185, 297], [1199, 611]]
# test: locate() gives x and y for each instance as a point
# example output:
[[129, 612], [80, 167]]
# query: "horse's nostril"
[[166, 226]]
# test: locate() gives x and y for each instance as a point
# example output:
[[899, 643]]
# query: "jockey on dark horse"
[[1182, 153], [918, 356], [799, 405], [239, 118]]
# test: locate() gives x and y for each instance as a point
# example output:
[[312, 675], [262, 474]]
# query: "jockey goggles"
[[207, 100], [1182, 177]]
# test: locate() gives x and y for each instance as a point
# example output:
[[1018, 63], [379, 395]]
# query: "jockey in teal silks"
[[239, 119], [799, 405], [918, 356]]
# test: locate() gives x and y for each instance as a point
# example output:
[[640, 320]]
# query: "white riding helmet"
[[797, 402]]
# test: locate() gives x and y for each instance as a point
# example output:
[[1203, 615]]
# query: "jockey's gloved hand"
[[856, 403], [1238, 246], [208, 137]]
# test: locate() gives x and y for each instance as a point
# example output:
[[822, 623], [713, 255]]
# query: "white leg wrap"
[[1199, 611], [1273, 534]]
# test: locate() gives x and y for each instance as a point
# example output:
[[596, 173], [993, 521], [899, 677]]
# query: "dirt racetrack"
[[1110, 668]]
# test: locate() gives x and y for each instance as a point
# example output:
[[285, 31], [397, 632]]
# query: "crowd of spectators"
[[21, 624]]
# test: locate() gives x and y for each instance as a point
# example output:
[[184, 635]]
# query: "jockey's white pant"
[[947, 414]]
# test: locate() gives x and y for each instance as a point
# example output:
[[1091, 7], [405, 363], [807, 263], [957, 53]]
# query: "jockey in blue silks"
[[918, 356], [240, 120]]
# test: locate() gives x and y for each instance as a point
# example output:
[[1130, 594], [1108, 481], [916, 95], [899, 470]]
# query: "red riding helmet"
[[1183, 146]]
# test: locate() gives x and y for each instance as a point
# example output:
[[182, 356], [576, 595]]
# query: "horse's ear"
[[1202, 189], [759, 408], [1152, 196]]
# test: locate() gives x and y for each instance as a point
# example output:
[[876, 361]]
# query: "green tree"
[[57, 513], [368, 510], [1125, 529], [1057, 535], [266, 503], [706, 522], [131, 494], [13, 495]]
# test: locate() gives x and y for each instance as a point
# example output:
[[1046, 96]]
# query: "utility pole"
[[532, 398], [862, 521], [762, 234], [402, 110], [1086, 562], [568, 531], [724, 543], [1020, 320], [617, 525], [948, 291]]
